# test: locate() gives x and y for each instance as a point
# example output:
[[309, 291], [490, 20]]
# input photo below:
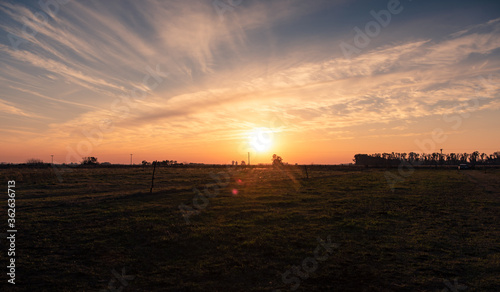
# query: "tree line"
[[162, 163], [435, 158]]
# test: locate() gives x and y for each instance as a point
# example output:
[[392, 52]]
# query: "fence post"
[[153, 177]]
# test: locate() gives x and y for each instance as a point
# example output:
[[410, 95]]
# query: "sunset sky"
[[312, 81]]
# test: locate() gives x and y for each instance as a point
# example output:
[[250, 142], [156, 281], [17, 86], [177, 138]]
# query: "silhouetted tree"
[[435, 157], [473, 157], [411, 156], [89, 161], [452, 158], [277, 160], [394, 159], [483, 155]]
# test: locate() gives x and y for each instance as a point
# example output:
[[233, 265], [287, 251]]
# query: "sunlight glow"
[[261, 139]]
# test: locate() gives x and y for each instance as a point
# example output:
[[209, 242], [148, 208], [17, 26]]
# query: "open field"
[[78, 234]]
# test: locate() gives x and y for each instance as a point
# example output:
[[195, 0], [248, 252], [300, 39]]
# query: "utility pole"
[[248, 158], [131, 159], [441, 157], [52, 156]]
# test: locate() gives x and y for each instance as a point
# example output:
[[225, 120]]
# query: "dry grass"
[[438, 225]]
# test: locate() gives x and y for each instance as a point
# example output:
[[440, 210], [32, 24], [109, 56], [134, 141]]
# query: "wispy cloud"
[[402, 81], [8, 108]]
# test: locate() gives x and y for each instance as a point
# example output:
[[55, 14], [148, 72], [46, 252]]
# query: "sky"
[[212, 81]]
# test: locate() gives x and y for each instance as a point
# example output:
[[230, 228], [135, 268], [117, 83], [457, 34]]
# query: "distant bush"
[[90, 161], [34, 161]]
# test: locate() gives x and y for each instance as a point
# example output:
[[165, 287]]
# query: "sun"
[[261, 139]]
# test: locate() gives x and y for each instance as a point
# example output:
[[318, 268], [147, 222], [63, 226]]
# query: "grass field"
[[81, 234]]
